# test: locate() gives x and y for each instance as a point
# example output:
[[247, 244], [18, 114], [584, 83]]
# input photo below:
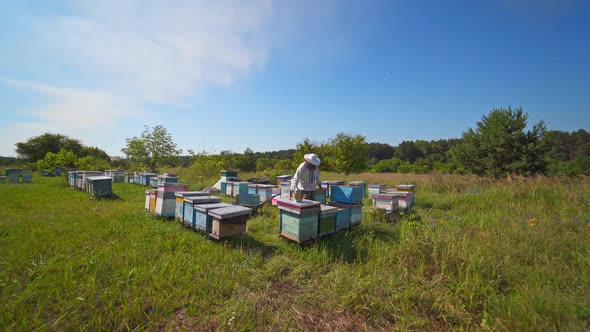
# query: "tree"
[[349, 153], [153, 148], [501, 145], [408, 151], [36, 148], [247, 162], [64, 159]]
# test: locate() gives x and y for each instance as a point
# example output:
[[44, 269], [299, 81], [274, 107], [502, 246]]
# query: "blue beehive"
[[320, 196], [342, 219], [265, 191], [190, 204], [27, 175], [240, 188], [361, 184], [346, 194], [252, 188], [13, 174], [180, 196], [248, 199], [202, 221]]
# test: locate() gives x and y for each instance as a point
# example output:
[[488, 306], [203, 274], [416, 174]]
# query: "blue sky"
[[262, 74]]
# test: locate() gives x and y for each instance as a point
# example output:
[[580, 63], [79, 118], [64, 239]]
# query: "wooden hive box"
[[2, 179], [201, 220], [320, 196], [376, 188], [298, 221], [388, 202], [13, 174], [346, 194], [190, 202], [265, 191], [100, 185], [229, 221], [180, 196], [248, 200], [27, 175], [225, 174], [166, 200], [240, 188], [153, 200], [406, 187], [252, 188], [147, 200], [361, 184], [327, 220], [229, 188]]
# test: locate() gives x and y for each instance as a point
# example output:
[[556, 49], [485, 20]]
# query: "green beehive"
[[298, 220], [327, 220]]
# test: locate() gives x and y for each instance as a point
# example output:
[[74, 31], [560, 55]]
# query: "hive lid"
[[326, 209], [191, 193], [202, 200], [207, 207], [230, 212], [99, 178]]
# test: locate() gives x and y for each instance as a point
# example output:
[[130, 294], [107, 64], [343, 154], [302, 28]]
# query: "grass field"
[[473, 254]]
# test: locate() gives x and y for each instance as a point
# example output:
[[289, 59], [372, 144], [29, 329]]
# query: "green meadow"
[[472, 254]]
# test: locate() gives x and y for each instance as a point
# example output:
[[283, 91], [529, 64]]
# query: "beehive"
[[406, 187], [327, 220], [229, 188], [320, 196], [265, 191], [153, 200], [346, 194], [376, 188], [388, 202], [180, 196], [13, 174], [249, 200], [189, 215], [360, 184], [201, 220], [27, 175], [240, 188], [298, 220], [355, 210], [333, 183], [100, 185], [147, 200], [166, 201], [2, 179], [229, 221]]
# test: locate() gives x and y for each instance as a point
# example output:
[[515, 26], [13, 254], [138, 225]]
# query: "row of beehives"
[[197, 210], [151, 179], [93, 182], [16, 175]]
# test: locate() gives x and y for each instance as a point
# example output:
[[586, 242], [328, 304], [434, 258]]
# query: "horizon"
[[266, 74]]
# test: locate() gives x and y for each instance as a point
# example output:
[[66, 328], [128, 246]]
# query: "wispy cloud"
[[127, 57]]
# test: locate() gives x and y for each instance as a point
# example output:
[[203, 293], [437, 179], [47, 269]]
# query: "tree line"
[[501, 143]]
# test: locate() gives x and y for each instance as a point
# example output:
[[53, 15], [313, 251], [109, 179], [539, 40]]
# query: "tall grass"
[[472, 254]]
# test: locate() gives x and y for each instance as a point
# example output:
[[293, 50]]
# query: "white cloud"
[[162, 51], [130, 55]]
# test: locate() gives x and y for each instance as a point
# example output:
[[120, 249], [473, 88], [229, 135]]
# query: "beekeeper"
[[306, 177]]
